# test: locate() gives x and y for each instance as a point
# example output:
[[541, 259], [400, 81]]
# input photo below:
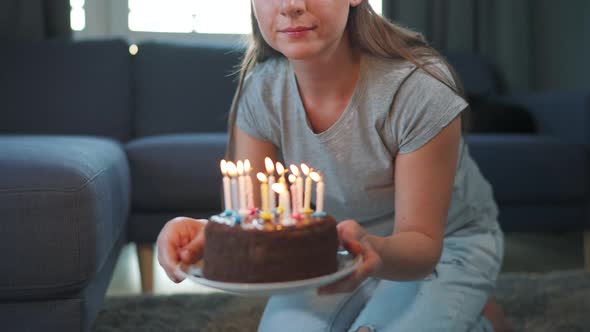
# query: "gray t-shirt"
[[356, 154]]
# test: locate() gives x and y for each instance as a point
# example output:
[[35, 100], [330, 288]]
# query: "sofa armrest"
[[64, 204], [565, 115]]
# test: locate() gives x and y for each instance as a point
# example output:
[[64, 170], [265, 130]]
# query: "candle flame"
[[270, 167], [294, 170], [305, 169], [292, 178], [315, 176], [247, 166], [231, 169], [280, 168], [223, 166], [261, 177], [278, 188], [240, 167]]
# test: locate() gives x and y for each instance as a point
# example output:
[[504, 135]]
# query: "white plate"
[[346, 265]]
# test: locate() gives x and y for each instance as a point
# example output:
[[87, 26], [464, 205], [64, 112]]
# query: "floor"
[[524, 252]]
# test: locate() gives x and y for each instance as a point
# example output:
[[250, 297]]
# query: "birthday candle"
[[270, 168], [249, 185], [226, 189], [281, 189], [307, 196], [294, 194], [281, 172], [241, 187], [299, 186], [319, 197], [232, 170], [263, 192]]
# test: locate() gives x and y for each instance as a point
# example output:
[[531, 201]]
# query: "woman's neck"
[[328, 78]]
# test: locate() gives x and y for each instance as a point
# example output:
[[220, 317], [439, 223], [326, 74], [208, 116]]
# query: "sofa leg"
[[145, 255]]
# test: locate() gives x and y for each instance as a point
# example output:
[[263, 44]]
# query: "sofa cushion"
[[532, 169], [64, 202], [183, 88], [58, 87], [176, 172]]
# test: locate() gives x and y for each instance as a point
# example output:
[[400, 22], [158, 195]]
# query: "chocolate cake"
[[252, 250]]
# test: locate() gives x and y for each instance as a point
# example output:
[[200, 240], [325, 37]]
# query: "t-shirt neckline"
[[341, 121]]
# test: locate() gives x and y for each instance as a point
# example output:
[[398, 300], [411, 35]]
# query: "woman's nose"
[[292, 8]]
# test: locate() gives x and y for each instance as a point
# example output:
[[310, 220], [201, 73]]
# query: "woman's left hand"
[[356, 240]]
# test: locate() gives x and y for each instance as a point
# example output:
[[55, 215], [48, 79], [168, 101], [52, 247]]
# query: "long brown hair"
[[369, 32]]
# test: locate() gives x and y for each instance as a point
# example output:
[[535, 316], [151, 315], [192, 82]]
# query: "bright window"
[[77, 15], [377, 5], [204, 16]]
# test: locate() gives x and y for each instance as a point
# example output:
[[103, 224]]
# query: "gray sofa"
[[541, 177], [99, 148]]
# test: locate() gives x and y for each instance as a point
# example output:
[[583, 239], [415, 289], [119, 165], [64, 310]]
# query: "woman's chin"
[[299, 53]]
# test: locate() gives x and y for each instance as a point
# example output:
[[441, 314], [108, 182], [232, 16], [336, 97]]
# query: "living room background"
[[88, 133]]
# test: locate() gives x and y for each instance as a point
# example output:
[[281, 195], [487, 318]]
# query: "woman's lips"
[[297, 31]]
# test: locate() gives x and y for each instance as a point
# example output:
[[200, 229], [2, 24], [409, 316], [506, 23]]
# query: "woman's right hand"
[[180, 243]]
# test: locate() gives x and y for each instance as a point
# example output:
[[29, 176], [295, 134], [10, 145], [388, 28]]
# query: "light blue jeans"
[[450, 299]]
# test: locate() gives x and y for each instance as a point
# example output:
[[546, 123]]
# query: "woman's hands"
[[180, 242], [356, 240]]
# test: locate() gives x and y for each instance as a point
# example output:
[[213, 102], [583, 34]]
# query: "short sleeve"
[[253, 114], [423, 107]]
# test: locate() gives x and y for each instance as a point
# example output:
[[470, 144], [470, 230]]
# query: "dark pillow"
[[490, 116]]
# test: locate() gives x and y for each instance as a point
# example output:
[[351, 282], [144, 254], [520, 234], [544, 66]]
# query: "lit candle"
[[270, 168], [299, 186], [307, 196], [284, 204], [249, 185], [242, 188], [319, 194], [281, 173], [226, 189], [233, 171], [295, 205], [265, 214]]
